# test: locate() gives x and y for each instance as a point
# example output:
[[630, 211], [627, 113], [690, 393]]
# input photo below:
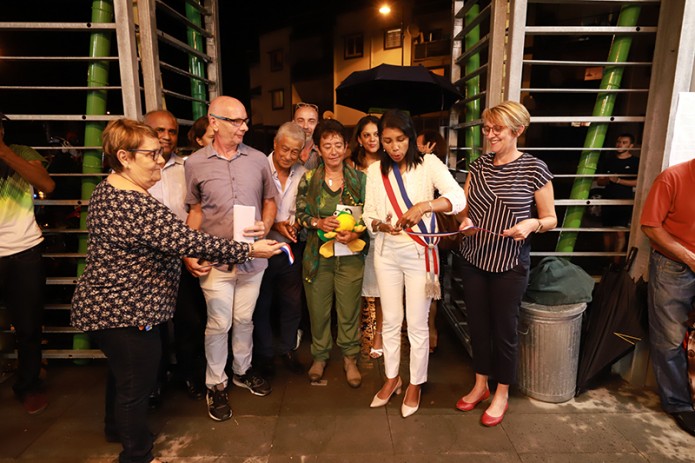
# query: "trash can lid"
[[553, 311]]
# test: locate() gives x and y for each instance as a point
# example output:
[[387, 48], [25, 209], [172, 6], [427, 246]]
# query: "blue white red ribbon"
[[431, 235], [287, 250]]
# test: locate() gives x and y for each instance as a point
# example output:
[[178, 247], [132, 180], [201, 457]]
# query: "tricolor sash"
[[426, 238]]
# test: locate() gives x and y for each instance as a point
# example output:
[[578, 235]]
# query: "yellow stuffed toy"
[[347, 223]]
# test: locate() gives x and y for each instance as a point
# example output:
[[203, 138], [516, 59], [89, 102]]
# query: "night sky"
[[240, 25]]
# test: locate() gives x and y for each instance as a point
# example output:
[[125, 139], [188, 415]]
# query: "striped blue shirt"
[[498, 198]]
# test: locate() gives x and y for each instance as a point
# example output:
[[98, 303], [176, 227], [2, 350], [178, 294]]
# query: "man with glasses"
[[306, 115], [22, 278], [191, 314], [222, 175]]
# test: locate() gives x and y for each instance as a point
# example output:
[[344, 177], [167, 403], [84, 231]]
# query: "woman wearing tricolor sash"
[[399, 212]]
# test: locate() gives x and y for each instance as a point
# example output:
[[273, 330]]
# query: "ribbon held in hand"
[[473, 227], [287, 250]]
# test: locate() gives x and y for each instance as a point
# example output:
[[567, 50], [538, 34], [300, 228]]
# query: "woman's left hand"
[[521, 230], [345, 236]]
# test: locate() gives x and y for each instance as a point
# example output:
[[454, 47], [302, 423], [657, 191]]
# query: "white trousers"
[[401, 265], [231, 298]]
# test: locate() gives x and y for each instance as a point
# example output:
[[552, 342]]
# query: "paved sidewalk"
[[299, 422]]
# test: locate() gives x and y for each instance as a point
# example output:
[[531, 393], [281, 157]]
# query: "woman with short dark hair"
[[331, 278]]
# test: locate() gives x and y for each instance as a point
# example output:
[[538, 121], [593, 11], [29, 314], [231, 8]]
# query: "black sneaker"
[[686, 420], [218, 404], [256, 384]]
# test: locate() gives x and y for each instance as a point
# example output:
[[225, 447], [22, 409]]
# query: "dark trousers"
[[133, 357], [22, 282], [492, 302], [281, 289], [190, 319]]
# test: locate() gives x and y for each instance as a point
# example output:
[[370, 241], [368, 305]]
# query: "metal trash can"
[[549, 338]]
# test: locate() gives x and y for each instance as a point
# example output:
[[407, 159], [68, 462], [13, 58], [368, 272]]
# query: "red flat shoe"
[[468, 406], [489, 421]]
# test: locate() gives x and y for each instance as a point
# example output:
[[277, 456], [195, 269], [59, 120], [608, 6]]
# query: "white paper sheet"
[[244, 217]]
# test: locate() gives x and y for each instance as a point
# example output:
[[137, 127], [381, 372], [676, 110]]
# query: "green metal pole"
[[196, 66], [595, 137], [97, 75], [472, 134]]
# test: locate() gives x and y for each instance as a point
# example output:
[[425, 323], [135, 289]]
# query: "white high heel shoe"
[[379, 402], [407, 410]]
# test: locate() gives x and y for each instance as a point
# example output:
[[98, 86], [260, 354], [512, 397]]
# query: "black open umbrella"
[[413, 88], [614, 323]]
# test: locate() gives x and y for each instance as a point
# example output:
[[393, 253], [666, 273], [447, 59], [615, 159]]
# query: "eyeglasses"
[[306, 105], [154, 154], [496, 129], [234, 122]]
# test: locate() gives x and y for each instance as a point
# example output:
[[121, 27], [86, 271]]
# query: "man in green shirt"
[[22, 278]]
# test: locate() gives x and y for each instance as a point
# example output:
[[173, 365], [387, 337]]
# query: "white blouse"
[[420, 183]]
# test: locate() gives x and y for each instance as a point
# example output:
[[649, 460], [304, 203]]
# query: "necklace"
[[330, 180], [338, 177]]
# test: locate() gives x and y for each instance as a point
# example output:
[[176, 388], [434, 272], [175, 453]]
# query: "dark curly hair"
[[357, 154]]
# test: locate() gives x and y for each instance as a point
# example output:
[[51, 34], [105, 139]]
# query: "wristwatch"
[[315, 222]]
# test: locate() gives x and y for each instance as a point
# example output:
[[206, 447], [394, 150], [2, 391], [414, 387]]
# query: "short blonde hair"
[[510, 114], [124, 134]]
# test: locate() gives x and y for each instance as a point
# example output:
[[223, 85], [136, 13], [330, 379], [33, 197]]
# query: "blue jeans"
[[133, 356], [671, 295]]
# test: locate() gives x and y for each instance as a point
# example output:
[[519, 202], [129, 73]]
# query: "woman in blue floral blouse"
[[130, 283]]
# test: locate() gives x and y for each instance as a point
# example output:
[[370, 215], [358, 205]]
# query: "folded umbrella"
[[412, 88], [615, 322]]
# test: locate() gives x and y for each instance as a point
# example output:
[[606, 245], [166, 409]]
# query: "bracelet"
[[540, 226], [250, 251], [431, 209]]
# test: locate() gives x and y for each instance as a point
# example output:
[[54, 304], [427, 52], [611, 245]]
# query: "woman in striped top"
[[501, 189]]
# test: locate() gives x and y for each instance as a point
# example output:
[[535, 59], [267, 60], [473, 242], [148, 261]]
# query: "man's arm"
[[268, 213], [195, 216], [664, 239], [32, 171], [194, 221]]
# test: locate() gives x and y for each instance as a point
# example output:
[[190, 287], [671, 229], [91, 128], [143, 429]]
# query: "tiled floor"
[[300, 422]]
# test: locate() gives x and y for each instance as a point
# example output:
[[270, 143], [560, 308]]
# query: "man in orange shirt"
[[667, 220]]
